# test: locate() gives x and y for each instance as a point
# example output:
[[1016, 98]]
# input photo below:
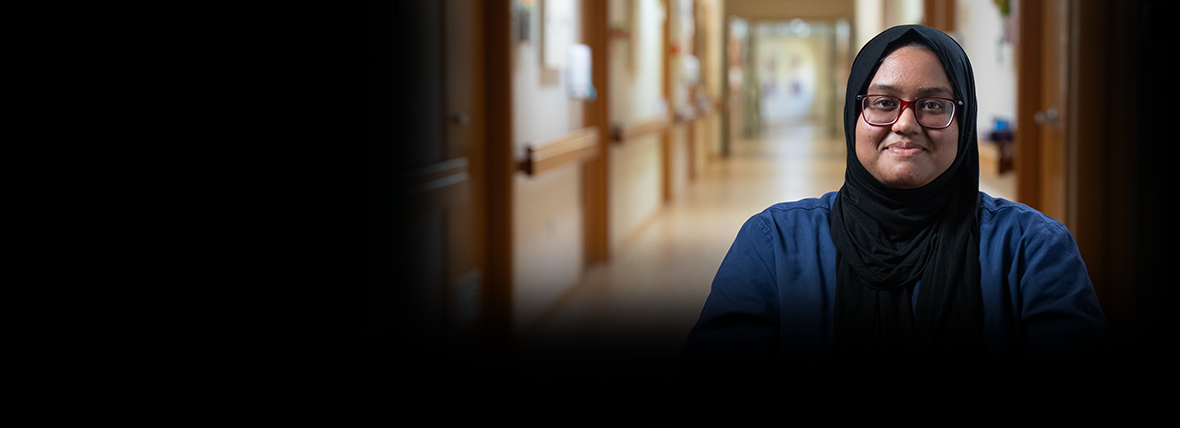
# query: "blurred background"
[[569, 174]]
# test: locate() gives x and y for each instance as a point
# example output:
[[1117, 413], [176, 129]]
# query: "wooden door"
[[441, 275], [1062, 145], [1096, 164], [1041, 106], [1051, 117]]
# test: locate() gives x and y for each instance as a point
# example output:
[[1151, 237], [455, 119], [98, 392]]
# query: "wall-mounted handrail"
[[574, 147], [622, 132], [699, 111]]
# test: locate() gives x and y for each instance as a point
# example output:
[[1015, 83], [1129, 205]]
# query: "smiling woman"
[[909, 259], [905, 151]]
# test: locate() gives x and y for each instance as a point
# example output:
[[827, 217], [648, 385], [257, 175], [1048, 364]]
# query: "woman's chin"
[[906, 180]]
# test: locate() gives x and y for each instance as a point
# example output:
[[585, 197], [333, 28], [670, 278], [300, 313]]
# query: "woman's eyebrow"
[[923, 92]]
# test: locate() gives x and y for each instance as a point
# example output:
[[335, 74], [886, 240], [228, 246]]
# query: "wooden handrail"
[[691, 113], [621, 132], [574, 147]]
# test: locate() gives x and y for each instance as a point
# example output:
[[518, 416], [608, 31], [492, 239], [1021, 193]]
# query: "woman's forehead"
[[911, 71]]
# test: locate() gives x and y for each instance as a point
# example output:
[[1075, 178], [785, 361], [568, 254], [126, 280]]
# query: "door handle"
[[1043, 117], [460, 118]]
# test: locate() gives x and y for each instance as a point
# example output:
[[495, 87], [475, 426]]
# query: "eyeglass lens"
[[931, 112]]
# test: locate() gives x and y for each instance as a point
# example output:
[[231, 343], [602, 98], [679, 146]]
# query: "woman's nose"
[[907, 121]]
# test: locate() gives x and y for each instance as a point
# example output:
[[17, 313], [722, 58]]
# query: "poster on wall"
[[557, 32]]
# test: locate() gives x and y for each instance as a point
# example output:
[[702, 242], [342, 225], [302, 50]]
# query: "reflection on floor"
[[642, 303]]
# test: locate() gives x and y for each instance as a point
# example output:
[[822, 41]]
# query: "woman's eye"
[[930, 105]]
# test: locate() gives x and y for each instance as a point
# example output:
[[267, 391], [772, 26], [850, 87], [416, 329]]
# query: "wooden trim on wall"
[[572, 148], [940, 14], [666, 93], [501, 171], [595, 114], [1027, 160]]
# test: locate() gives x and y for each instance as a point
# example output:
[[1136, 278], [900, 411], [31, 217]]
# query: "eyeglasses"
[[932, 112]]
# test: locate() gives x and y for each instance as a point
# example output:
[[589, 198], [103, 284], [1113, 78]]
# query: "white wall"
[[874, 16], [636, 83], [870, 21], [901, 12], [547, 210], [636, 62], [979, 29]]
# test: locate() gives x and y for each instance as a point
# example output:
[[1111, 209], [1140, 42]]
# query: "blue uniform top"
[[774, 295]]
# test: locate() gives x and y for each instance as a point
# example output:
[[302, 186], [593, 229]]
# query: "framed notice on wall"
[[557, 32]]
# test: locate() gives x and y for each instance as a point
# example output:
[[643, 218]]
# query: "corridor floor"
[[642, 303]]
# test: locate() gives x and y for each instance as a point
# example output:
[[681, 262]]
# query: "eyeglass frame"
[[861, 98]]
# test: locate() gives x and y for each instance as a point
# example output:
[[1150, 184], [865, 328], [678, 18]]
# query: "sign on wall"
[[557, 32], [579, 84]]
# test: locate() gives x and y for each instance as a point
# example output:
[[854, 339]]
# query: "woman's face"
[[905, 155]]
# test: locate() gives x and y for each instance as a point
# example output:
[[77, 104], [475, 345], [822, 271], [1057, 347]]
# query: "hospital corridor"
[[578, 169]]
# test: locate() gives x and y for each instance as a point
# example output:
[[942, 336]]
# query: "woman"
[[909, 258]]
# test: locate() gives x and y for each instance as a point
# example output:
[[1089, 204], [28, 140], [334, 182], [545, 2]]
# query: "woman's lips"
[[904, 148]]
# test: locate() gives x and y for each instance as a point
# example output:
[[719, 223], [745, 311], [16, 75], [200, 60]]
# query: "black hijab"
[[887, 238]]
